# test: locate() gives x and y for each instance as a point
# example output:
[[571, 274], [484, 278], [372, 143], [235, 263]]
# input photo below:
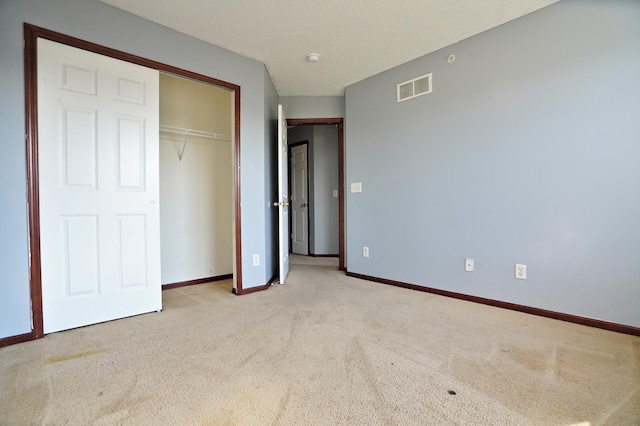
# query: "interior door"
[[299, 200], [99, 187], [283, 195]]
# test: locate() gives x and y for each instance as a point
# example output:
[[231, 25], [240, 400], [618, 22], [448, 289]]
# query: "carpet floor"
[[323, 349]]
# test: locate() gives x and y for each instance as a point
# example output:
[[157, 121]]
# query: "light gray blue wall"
[[300, 134], [313, 106], [527, 151], [15, 305], [325, 180], [108, 26]]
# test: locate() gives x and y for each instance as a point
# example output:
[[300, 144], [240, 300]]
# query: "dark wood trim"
[[236, 178], [256, 289], [305, 142], [34, 32], [33, 182], [605, 325], [325, 255], [341, 194], [198, 281], [313, 121], [20, 338], [251, 290], [31, 35]]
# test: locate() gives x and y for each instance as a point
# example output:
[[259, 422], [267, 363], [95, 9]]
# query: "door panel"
[[98, 180], [81, 241], [79, 142], [283, 195], [299, 200], [300, 230], [130, 153], [132, 250]]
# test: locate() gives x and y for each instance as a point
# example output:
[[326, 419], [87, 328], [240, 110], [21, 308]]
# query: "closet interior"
[[196, 180]]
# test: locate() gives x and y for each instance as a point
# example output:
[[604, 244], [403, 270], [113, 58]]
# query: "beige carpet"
[[323, 349]]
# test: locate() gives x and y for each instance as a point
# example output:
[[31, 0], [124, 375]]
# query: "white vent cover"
[[413, 88]]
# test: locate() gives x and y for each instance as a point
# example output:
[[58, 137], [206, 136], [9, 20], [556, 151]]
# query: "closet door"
[[99, 187]]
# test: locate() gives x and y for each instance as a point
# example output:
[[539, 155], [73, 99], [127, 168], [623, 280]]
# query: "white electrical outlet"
[[365, 251], [256, 260], [468, 265], [521, 271]]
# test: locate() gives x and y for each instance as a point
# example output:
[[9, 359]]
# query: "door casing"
[[31, 35]]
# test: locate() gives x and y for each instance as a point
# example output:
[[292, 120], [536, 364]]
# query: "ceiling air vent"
[[413, 88]]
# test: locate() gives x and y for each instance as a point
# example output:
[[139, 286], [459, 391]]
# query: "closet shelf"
[[191, 132]]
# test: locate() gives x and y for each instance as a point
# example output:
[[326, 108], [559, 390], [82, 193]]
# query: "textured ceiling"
[[355, 38]]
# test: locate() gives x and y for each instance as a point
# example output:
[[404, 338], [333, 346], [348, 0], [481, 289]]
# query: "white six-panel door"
[[299, 200], [283, 195], [99, 187]]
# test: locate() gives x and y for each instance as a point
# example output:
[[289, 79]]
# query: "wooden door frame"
[[339, 122], [31, 35], [306, 142]]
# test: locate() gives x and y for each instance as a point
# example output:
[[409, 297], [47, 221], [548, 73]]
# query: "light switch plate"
[[356, 187], [335, 193]]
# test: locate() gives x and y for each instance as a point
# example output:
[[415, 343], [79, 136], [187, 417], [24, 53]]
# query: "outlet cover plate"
[[468, 265], [521, 271], [365, 251]]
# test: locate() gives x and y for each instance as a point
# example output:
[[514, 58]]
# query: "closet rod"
[[192, 132]]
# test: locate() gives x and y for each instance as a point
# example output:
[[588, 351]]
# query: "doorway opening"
[[326, 124], [196, 181]]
